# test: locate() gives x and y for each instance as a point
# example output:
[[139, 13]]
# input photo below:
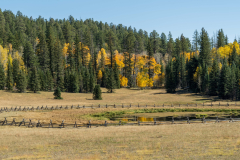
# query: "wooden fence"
[[20, 108], [51, 124]]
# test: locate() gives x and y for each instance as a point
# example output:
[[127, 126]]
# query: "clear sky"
[[177, 16]]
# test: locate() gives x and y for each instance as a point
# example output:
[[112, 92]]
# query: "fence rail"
[[186, 120], [24, 108]]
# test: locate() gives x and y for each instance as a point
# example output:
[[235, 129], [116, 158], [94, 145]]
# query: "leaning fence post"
[[114, 106], [5, 121], [92, 106], [30, 122], [13, 122], [106, 106]]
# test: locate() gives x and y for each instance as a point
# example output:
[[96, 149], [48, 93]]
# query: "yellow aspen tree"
[[4, 57]]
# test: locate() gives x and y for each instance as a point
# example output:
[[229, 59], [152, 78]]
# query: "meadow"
[[178, 141]]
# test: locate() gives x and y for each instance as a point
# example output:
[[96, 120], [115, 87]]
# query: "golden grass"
[[126, 96], [194, 141]]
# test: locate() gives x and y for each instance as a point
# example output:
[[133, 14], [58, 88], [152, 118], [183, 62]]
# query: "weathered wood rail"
[[24, 108], [31, 124]]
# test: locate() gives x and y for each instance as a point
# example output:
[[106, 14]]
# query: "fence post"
[[92, 106], [227, 104], [30, 122], [130, 105], [171, 105], [211, 104], [138, 122], [155, 121], [231, 119], [50, 124], [188, 120], [62, 124], [89, 124], [187, 104], [72, 107], [83, 106], [196, 104], [219, 103], [179, 104], [105, 124], [138, 105], [163, 104], [99, 106], [120, 122], [217, 121], [122, 105], [172, 120], [75, 125], [114, 106], [13, 122], [154, 106], [203, 104], [203, 119], [38, 124], [5, 121]]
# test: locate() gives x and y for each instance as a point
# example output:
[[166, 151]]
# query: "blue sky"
[[177, 16]]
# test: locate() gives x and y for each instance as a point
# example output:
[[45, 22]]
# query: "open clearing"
[[126, 96], [178, 141], [194, 141]]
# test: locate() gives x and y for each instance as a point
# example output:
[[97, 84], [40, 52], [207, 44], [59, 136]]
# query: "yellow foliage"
[[102, 58], [157, 69], [123, 81], [150, 82], [65, 49], [220, 65], [118, 58], [4, 57], [99, 76], [20, 60], [142, 79]]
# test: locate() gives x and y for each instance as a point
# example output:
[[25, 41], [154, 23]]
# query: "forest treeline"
[[75, 55]]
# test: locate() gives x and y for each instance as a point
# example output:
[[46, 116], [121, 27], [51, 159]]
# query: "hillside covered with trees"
[[75, 55]]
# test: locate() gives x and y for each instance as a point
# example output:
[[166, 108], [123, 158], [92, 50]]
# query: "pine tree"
[[182, 71], [205, 49], [92, 80], [15, 64], [170, 78], [196, 41], [220, 39], [34, 80], [57, 93], [224, 81], [49, 80], [233, 57], [9, 79], [111, 81], [116, 76], [2, 77], [97, 93], [214, 79], [204, 80], [86, 80], [104, 77], [21, 82]]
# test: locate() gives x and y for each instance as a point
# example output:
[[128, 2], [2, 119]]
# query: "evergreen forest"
[[70, 55]]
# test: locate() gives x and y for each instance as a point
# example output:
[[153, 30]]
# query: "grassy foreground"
[[194, 141]]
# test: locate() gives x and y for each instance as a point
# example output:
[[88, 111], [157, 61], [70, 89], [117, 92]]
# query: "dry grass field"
[[178, 141], [126, 96], [194, 141]]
